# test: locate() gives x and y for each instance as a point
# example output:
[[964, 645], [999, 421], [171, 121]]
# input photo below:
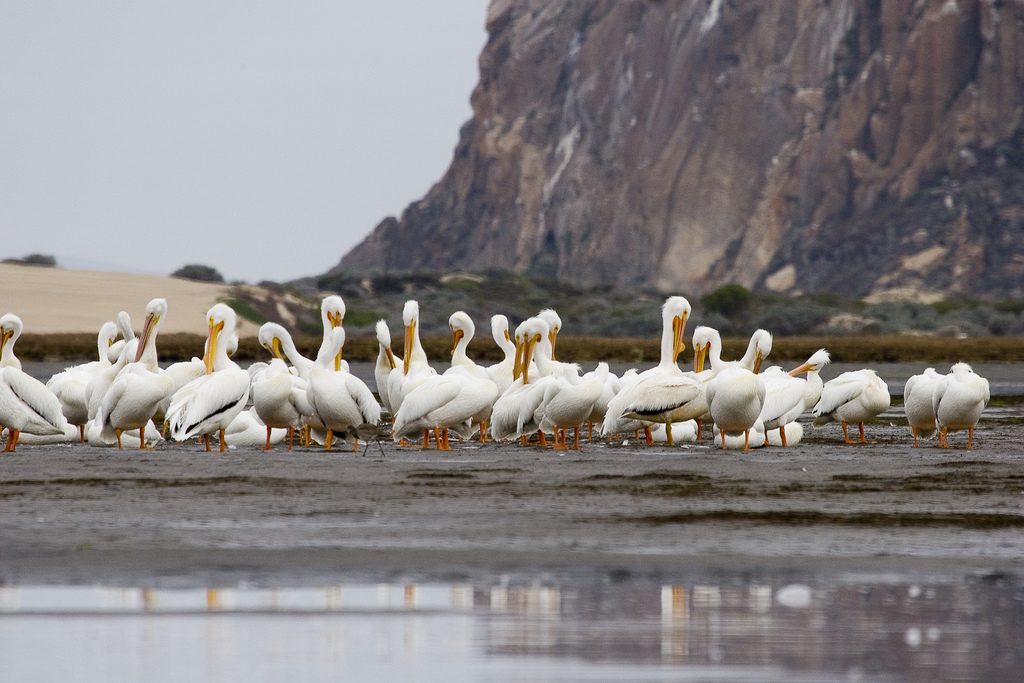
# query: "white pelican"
[[554, 322], [787, 395], [26, 405], [247, 431], [664, 393], [94, 436], [567, 404], [735, 400], [463, 331], [501, 372], [514, 413], [339, 399], [917, 403], [855, 396], [279, 397], [793, 432], [69, 386], [209, 403], [332, 315], [124, 326], [959, 401], [139, 388], [415, 369], [444, 402], [386, 362]]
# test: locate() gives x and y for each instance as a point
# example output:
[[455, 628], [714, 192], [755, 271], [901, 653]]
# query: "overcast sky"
[[262, 138]]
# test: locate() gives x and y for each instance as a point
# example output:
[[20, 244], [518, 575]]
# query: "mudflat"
[[179, 515]]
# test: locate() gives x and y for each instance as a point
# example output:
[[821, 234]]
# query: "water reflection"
[[955, 630]]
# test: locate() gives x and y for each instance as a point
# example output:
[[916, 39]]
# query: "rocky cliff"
[[862, 146]]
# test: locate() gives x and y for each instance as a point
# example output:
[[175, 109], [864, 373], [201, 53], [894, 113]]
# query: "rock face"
[[860, 146]]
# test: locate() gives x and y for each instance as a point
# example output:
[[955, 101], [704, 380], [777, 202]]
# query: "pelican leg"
[[913, 430], [142, 439], [746, 439], [700, 429], [522, 440], [846, 436], [648, 436], [970, 437], [766, 444], [722, 432], [329, 440], [543, 439], [223, 440], [437, 438], [355, 446], [668, 433], [559, 439], [267, 447], [81, 433], [483, 432], [782, 435], [860, 426], [206, 442], [12, 440], [291, 435], [117, 433], [576, 437], [426, 439], [163, 432]]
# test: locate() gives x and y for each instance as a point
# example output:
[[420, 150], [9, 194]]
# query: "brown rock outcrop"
[[795, 145]]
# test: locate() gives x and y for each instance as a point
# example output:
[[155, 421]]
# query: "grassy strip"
[[963, 520], [882, 348]]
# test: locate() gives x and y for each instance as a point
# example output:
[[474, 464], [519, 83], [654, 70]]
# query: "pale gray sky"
[[262, 138]]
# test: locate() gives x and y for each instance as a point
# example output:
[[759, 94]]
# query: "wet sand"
[[180, 516]]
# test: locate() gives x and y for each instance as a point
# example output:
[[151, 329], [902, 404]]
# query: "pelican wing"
[[206, 398], [839, 391], [654, 398], [428, 397], [782, 394], [364, 398], [35, 398]]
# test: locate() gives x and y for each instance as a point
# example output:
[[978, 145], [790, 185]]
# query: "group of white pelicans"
[[123, 395]]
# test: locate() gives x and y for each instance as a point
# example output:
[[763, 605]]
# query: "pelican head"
[[411, 319], [10, 329], [461, 326], [270, 337], [156, 311], [332, 311], [529, 333], [675, 312], [384, 339], [554, 322], [815, 363], [124, 325], [961, 370], [704, 338], [221, 319], [499, 329], [761, 343]]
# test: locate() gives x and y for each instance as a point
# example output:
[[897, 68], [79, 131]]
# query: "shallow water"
[[739, 627]]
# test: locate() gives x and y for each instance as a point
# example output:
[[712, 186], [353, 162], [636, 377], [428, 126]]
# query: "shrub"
[[198, 272]]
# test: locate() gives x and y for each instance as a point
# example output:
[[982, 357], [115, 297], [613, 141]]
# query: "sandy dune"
[[65, 300]]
